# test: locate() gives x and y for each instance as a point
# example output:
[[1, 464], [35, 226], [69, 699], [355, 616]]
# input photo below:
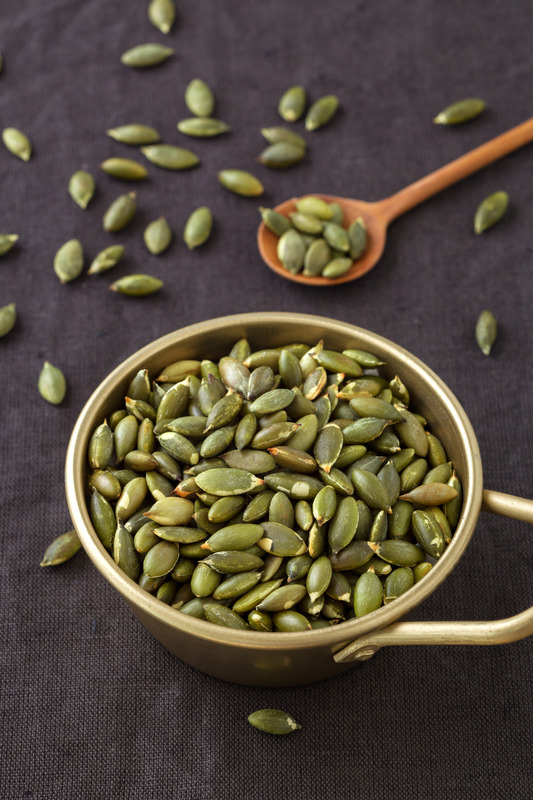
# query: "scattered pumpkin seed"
[[461, 111], [68, 261], [106, 259], [81, 187], [134, 134], [138, 285], [158, 236], [162, 14], [124, 168], [198, 227], [52, 384], [292, 103], [486, 331], [17, 143], [277, 133], [281, 155], [203, 127], [61, 549], [7, 242], [8, 317], [240, 182], [199, 98], [120, 212], [146, 55], [170, 156], [490, 211], [321, 112]]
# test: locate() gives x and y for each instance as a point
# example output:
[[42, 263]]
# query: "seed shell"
[[198, 227], [203, 127], [199, 98], [17, 143], [138, 285], [146, 55], [157, 236], [134, 134], [490, 211], [162, 14], [8, 317], [292, 103], [52, 384], [120, 212], [68, 261], [106, 259], [125, 168], [321, 112], [170, 156], [241, 182], [81, 187], [461, 111], [61, 549]]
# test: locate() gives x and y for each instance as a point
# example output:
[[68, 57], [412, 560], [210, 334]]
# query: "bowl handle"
[[500, 631]]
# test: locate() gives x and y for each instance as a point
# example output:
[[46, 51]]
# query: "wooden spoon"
[[379, 215]]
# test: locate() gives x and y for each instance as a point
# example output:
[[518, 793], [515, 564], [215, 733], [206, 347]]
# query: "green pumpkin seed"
[[368, 594], [321, 112], [440, 474], [486, 331], [120, 212], [234, 537], [199, 98], [292, 103], [105, 483], [68, 261], [281, 155], [461, 111], [17, 143], [241, 182], [430, 494], [428, 533], [291, 250], [316, 257], [106, 259], [337, 267], [224, 508], [146, 55], [134, 134], [171, 511], [103, 517], [220, 615], [358, 236], [124, 168], [370, 489], [296, 485], [281, 510], [453, 507], [236, 585], [399, 552], [411, 432], [355, 555], [160, 559], [318, 577], [277, 133], [275, 222], [490, 211], [81, 187], [158, 236], [315, 206], [198, 227], [421, 570], [260, 621], [170, 156], [280, 540], [162, 14], [52, 384], [124, 553], [337, 238], [203, 127], [8, 317], [233, 561], [100, 449], [283, 598], [158, 485], [291, 620], [61, 549], [224, 482], [7, 242], [137, 285], [306, 223], [131, 499], [397, 583]]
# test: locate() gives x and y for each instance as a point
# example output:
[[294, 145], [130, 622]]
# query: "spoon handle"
[[414, 194]]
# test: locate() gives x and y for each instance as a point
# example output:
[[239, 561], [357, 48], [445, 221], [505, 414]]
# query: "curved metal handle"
[[501, 631]]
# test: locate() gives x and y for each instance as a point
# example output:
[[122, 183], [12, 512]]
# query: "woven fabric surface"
[[91, 706]]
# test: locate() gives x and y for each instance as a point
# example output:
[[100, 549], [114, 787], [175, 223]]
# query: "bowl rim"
[[335, 636]]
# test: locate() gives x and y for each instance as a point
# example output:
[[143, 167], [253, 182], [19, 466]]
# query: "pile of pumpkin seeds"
[[280, 489], [312, 239]]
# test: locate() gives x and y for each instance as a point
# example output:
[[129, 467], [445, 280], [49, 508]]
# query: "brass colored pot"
[[287, 659]]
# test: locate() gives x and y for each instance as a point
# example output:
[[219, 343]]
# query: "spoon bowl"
[[378, 215]]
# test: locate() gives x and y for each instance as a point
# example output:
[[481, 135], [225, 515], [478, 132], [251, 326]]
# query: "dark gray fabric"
[[92, 706]]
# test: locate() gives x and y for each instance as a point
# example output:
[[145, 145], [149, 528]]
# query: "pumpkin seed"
[[321, 112], [233, 561], [17, 143], [316, 206], [291, 250], [103, 517], [8, 317], [292, 103], [81, 187], [337, 267], [52, 384], [198, 227], [146, 55], [137, 285], [430, 494], [158, 236], [134, 134], [291, 620], [162, 14], [428, 533], [283, 598], [106, 259], [399, 552], [203, 127], [170, 156], [68, 261], [490, 211], [461, 111], [397, 583], [120, 212], [358, 236], [199, 98], [280, 540], [240, 182], [124, 553], [277, 133], [368, 594], [61, 549], [275, 222], [486, 331], [124, 168], [281, 155], [234, 537]]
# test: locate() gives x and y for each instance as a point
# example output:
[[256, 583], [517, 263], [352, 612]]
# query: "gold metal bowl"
[[287, 659]]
